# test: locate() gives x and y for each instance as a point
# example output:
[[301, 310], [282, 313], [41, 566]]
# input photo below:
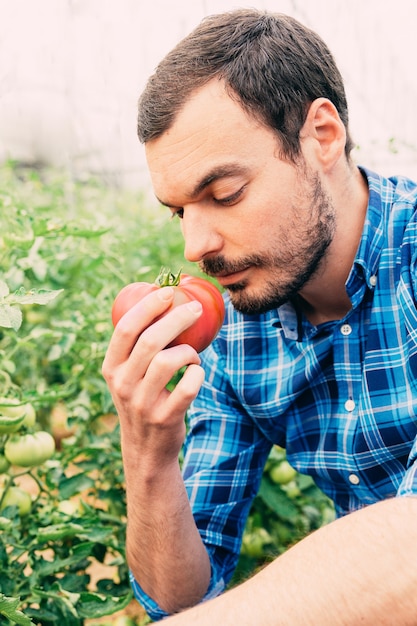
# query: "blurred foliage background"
[[64, 559]]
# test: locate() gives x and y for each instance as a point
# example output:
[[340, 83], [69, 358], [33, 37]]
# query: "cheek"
[[253, 235]]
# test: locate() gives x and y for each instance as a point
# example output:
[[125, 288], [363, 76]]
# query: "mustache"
[[217, 266]]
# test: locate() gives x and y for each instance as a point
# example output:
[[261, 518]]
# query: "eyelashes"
[[230, 199]]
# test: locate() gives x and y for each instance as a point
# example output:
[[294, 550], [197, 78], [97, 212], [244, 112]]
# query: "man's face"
[[260, 225]]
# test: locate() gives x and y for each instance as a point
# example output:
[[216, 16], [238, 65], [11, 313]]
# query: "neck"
[[324, 298]]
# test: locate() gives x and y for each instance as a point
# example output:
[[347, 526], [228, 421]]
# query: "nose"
[[201, 234]]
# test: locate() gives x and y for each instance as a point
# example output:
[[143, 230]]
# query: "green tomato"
[[4, 464], [253, 543], [29, 450], [292, 489], [282, 473], [14, 415], [15, 496], [30, 415]]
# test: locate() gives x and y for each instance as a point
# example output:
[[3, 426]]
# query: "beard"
[[297, 255]]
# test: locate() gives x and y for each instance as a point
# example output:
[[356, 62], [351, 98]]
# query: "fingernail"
[[195, 306], [166, 293]]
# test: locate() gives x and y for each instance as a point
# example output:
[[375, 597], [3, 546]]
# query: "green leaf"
[[85, 604], [74, 485], [5, 523], [277, 500], [79, 553], [7, 422], [4, 289], [8, 608], [56, 532], [96, 605], [33, 296], [60, 596], [100, 535], [10, 316]]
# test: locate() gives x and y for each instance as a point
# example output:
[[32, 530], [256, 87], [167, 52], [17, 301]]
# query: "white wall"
[[71, 72]]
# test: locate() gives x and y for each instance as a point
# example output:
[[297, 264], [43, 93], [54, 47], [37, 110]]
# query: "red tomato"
[[186, 289]]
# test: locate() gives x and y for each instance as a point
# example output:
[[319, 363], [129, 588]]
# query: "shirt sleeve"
[[224, 457], [408, 486]]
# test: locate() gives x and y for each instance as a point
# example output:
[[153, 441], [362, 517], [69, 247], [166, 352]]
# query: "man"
[[245, 125]]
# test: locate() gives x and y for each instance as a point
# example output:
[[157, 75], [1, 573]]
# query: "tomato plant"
[[65, 561], [186, 289]]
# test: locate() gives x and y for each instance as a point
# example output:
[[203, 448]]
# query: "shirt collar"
[[365, 266]]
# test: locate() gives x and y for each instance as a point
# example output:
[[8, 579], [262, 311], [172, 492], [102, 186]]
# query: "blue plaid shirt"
[[340, 397]]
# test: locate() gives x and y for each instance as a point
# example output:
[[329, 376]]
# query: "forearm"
[[165, 552], [359, 570], [164, 549]]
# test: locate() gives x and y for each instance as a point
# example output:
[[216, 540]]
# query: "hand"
[[137, 368]]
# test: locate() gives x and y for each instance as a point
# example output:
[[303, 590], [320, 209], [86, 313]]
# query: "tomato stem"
[[167, 279]]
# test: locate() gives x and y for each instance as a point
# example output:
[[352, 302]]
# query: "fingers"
[[186, 389], [134, 322], [138, 337], [166, 411], [161, 370], [156, 337]]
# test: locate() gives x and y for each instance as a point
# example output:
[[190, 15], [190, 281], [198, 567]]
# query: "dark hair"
[[273, 65]]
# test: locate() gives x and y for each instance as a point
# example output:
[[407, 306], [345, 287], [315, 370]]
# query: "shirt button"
[[346, 329], [350, 405], [354, 479], [373, 280]]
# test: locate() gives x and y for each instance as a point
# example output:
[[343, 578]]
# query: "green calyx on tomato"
[[15, 496], [29, 450], [15, 414], [186, 289]]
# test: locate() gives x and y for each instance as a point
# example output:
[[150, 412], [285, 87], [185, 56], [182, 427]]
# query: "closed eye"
[[230, 199], [227, 201]]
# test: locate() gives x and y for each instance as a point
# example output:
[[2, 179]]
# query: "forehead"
[[211, 130]]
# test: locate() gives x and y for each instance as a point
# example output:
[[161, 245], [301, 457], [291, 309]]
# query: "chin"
[[251, 302], [254, 305]]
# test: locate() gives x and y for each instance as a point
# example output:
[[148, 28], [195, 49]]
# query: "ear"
[[324, 126]]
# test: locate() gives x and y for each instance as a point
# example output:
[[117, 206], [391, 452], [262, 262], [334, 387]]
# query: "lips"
[[226, 279]]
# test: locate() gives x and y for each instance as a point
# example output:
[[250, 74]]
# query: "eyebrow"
[[217, 173]]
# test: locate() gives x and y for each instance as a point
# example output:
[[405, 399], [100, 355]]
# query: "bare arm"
[[164, 549], [360, 570]]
